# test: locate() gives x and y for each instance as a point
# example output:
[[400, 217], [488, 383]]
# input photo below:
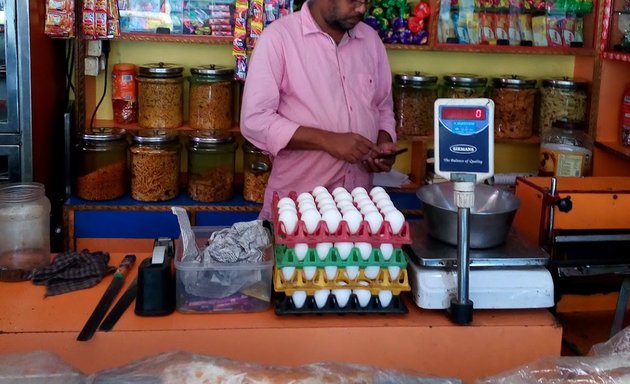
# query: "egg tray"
[[384, 235], [383, 281], [284, 306], [286, 257]]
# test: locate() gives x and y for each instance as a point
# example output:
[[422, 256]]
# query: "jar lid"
[[565, 82], [465, 79], [160, 70], [513, 81], [212, 70], [569, 125], [211, 137], [154, 136], [103, 134], [416, 77]]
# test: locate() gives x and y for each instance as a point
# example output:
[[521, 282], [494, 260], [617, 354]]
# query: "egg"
[[387, 208], [324, 197], [332, 218], [365, 203], [288, 221], [374, 220], [287, 273], [298, 297], [358, 190], [385, 297], [342, 295], [363, 296], [326, 207], [321, 297], [326, 203], [300, 250], [331, 272], [344, 205], [365, 249], [371, 272], [305, 196], [309, 272], [396, 220], [311, 218], [319, 189], [383, 203], [393, 272], [387, 250], [360, 197], [323, 249], [305, 206], [339, 190], [286, 202], [376, 190], [380, 197], [344, 249], [287, 208], [367, 210], [353, 218], [343, 197], [352, 271]]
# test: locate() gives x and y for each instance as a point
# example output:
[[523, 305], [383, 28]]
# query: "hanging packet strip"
[[239, 45], [60, 18]]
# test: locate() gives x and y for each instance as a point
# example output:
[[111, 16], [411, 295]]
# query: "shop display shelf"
[[286, 257], [135, 127], [616, 56], [284, 305], [176, 38], [615, 148], [485, 48]]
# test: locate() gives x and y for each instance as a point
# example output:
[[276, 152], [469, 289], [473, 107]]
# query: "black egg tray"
[[284, 306]]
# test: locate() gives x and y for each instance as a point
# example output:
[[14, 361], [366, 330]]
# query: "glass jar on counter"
[[514, 101], [464, 86], [566, 150], [256, 172], [102, 164], [414, 96], [25, 228], [160, 95], [562, 98], [211, 159], [211, 97], [155, 164]]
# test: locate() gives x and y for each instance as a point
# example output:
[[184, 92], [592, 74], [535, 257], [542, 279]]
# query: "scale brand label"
[[463, 149]]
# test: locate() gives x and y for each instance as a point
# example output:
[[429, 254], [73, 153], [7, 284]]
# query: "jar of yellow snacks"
[[211, 158], [514, 100], [414, 96], [155, 165], [562, 98], [210, 101], [256, 171], [160, 95]]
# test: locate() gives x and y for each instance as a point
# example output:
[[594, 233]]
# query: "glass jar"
[[25, 228], [566, 150], [562, 98], [211, 158], [464, 86], [211, 96], [124, 94], [414, 96], [102, 164], [256, 171], [155, 164], [160, 95], [514, 100]]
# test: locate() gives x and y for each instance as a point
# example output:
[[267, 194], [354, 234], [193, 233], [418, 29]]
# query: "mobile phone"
[[391, 155]]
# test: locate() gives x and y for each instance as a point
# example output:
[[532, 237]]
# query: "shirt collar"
[[309, 26]]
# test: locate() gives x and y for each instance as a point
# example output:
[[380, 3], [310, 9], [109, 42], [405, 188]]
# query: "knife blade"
[[108, 297], [120, 307]]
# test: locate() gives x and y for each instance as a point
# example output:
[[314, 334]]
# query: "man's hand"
[[350, 147], [375, 164]]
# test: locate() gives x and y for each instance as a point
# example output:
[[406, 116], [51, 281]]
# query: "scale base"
[[513, 288]]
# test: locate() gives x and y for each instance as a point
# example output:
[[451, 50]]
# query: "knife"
[[120, 307], [108, 297]]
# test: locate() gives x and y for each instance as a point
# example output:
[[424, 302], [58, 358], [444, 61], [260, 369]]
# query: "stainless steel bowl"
[[490, 218]]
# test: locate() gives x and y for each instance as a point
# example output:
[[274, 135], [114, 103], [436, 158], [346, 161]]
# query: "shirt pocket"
[[365, 87]]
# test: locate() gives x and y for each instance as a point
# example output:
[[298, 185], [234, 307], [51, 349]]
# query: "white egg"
[[299, 297], [344, 203], [331, 272], [358, 190], [365, 203], [365, 249], [343, 197], [383, 203], [287, 208], [371, 272], [323, 249], [309, 272], [380, 197], [286, 202], [324, 198], [338, 190], [319, 189], [385, 297], [347, 208], [321, 297], [367, 210], [288, 221], [374, 220], [287, 273], [387, 250], [360, 197], [396, 220], [352, 271], [305, 196], [363, 296], [332, 218], [305, 205], [353, 219], [376, 190], [326, 207], [300, 250], [344, 249], [387, 208], [393, 272], [311, 218], [342, 295]]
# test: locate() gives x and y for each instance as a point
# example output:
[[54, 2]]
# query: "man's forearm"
[[309, 138]]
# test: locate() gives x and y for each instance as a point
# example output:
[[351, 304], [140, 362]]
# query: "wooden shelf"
[[195, 39], [479, 48], [135, 127], [408, 47], [616, 56], [615, 148]]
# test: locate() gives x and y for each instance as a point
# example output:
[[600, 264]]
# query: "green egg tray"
[[285, 257]]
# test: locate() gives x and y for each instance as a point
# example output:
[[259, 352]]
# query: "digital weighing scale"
[[457, 278]]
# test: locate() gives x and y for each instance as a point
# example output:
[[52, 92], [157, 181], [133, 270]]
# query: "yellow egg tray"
[[383, 281]]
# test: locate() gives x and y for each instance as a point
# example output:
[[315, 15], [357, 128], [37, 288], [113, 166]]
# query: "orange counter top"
[[421, 341]]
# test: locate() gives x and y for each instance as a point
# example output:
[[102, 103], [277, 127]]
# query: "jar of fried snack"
[[566, 149], [464, 86], [155, 158], [211, 159], [562, 98], [160, 95], [256, 171], [211, 96], [102, 164], [414, 96], [514, 100]]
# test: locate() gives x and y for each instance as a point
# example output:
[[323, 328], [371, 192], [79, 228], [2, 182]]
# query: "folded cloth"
[[71, 271]]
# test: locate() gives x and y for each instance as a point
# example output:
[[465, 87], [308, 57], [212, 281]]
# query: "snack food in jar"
[[211, 162], [256, 171], [155, 157], [211, 97], [102, 164], [464, 86], [124, 94], [160, 95], [514, 102], [566, 150], [414, 96], [562, 98]]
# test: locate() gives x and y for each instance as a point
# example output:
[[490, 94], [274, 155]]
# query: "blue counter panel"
[[125, 224], [223, 218]]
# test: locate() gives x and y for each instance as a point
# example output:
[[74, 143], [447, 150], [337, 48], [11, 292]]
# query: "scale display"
[[464, 137]]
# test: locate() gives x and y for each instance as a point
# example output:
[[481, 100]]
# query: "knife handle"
[[124, 265]]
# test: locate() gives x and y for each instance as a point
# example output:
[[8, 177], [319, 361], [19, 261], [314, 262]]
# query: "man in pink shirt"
[[318, 99]]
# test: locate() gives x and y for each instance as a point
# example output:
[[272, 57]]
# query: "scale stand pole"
[[461, 309]]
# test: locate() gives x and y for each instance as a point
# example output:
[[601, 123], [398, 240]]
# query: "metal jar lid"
[[465, 79], [415, 78], [154, 136], [513, 81], [160, 70], [103, 134], [569, 125], [212, 70], [565, 82], [211, 137]]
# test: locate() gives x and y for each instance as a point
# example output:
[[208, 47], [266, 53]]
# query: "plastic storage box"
[[221, 287]]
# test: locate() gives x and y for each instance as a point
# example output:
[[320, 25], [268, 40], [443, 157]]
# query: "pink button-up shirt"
[[298, 76]]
